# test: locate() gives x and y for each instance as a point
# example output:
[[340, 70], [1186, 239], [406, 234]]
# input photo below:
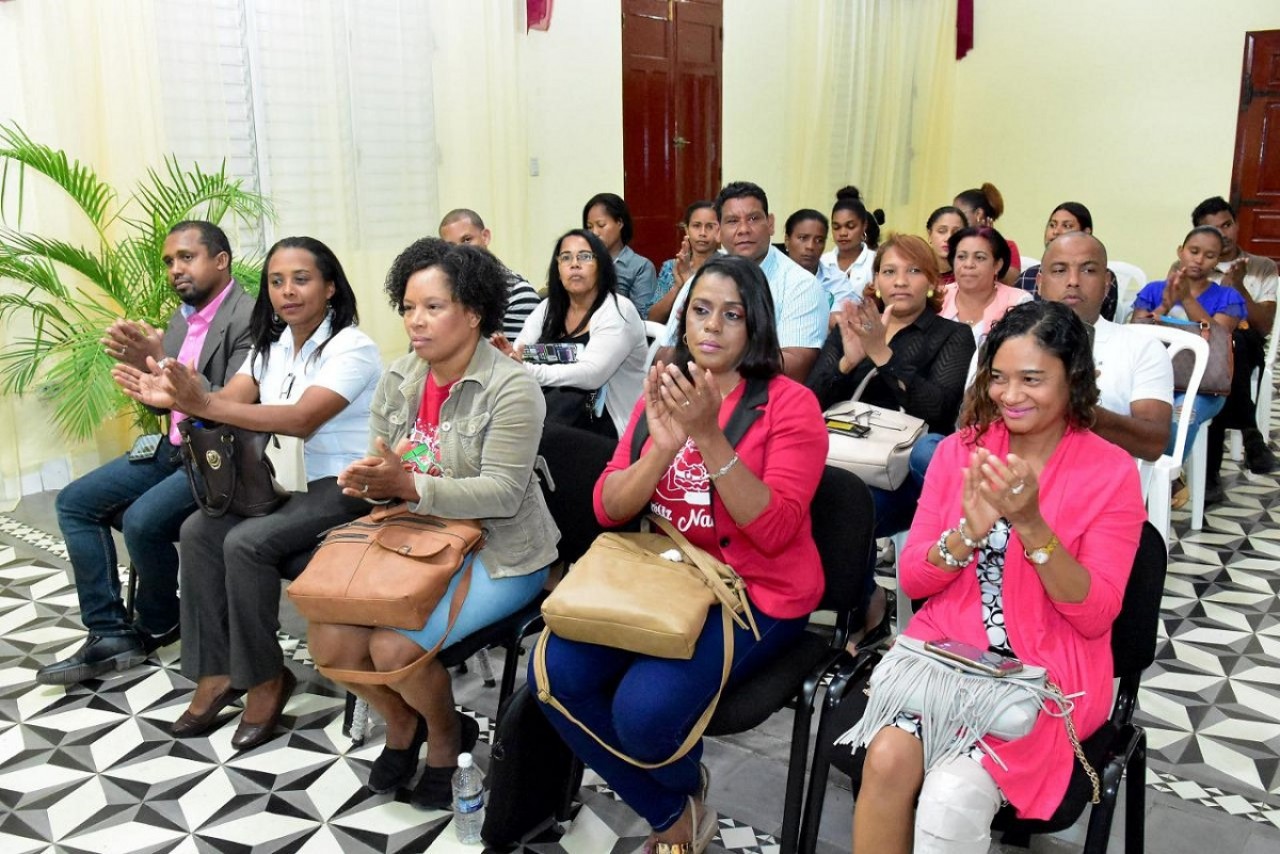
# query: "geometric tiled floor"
[[93, 769]]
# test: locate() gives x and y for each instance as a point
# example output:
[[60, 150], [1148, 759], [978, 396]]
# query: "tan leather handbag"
[[389, 568], [625, 594]]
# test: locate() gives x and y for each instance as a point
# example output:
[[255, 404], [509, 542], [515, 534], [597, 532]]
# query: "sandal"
[[705, 827]]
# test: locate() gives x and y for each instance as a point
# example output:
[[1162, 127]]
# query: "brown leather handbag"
[[389, 568], [1221, 364]]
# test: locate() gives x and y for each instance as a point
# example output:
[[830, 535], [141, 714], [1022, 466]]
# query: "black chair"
[[1118, 749], [572, 461], [843, 516]]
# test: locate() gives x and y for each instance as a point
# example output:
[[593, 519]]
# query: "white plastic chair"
[[1129, 280], [656, 333], [1164, 471]]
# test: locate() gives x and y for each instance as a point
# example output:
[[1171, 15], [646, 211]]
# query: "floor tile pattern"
[[93, 769]]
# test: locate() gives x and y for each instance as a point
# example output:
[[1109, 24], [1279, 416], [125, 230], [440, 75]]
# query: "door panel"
[[670, 115], [1255, 179]]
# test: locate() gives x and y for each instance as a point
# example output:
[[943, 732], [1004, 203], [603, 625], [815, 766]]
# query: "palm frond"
[[248, 272], [25, 245], [82, 390], [183, 193], [37, 272], [91, 194], [150, 296]]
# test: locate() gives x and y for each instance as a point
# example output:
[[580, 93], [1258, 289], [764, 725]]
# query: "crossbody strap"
[[386, 677], [699, 727], [728, 588]]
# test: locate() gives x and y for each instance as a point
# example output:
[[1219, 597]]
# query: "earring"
[[275, 318], [930, 293], [684, 339], [878, 295]]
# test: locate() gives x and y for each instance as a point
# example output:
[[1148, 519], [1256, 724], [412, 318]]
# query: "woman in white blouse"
[[856, 232], [311, 375], [584, 345]]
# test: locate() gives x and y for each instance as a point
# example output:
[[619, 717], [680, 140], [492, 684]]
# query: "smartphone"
[[145, 448], [985, 660], [847, 428]]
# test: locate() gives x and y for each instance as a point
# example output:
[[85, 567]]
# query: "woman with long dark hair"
[[311, 375], [594, 377]]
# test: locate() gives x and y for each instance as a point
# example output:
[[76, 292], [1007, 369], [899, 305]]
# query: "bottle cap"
[[464, 760]]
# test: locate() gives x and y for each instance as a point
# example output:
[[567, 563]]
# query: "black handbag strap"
[[189, 463], [748, 411]]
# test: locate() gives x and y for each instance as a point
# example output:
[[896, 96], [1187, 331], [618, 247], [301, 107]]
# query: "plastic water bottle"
[[468, 800]]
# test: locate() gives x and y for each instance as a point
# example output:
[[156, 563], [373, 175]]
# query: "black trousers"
[[1240, 411], [230, 581]]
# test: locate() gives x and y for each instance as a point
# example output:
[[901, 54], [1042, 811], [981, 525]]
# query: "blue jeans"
[[1203, 408], [645, 707], [155, 498], [922, 455]]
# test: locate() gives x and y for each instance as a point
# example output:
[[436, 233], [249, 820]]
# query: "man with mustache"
[[151, 495]]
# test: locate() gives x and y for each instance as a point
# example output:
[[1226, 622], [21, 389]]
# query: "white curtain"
[[326, 106]]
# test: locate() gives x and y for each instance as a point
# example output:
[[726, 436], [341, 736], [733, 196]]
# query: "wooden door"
[[1255, 178], [670, 115]]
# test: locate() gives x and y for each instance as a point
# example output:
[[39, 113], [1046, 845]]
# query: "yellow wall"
[[1127, 107], [503, 97]]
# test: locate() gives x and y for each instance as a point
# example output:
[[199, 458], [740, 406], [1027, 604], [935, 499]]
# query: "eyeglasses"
[[582, 257], [752, 220]]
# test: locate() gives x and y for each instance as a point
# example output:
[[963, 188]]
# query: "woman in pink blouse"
[[979, 258], [1022, 543]]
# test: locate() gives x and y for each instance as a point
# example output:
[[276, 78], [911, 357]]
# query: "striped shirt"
[[521, 301]]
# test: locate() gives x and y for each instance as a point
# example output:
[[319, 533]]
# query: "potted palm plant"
[[66, 295]]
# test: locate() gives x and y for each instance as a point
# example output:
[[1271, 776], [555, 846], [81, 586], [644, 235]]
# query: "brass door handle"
[[680, 142]]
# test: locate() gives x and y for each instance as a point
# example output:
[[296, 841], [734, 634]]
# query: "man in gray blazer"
[[151, 496]]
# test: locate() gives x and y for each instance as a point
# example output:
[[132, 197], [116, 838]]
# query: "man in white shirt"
[[1254, 278], [463, 226], [800, 307], [1135, 374]]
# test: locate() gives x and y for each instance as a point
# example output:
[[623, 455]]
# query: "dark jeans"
[[646, 706], [1240, 411], [231, 581], [155, 498]]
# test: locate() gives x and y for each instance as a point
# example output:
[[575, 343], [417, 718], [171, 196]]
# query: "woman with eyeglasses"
[[311, 374], [584, 345]]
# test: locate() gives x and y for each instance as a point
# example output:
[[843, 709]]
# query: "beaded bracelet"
[[945, 553], [725, 469], [980, 543]]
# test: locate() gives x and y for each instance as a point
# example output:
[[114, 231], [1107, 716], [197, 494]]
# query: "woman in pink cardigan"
[[1023, 542]]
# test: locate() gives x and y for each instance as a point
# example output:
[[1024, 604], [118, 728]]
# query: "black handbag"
[[228, 469], [531, 773]]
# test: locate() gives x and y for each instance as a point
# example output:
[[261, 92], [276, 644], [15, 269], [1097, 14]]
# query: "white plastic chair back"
[[655, 332], [1129, 280], [1164, 471], [1268, 380]]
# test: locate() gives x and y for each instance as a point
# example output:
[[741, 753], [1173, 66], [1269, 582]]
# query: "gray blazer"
[[227, 344], [490, 426]]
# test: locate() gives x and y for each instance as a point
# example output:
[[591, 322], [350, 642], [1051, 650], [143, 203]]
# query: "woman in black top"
[[921, 362], [921, 359]]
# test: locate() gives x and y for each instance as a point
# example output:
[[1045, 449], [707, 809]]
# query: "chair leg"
[[1135, 799], [485, 668], [1235, 446], [1158, 499], [1195, 472], [131, 594], [819, 773]]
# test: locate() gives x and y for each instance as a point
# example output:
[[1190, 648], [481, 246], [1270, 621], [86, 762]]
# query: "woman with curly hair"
[[455, 429], [1022, 544]]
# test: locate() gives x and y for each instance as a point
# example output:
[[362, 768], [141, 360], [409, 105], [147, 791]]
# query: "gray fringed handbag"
[[958, 706]]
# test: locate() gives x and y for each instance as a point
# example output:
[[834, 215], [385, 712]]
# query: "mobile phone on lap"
[[145, 448], [987, 661]]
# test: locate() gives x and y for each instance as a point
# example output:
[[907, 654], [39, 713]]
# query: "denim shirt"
[[490, 426]]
